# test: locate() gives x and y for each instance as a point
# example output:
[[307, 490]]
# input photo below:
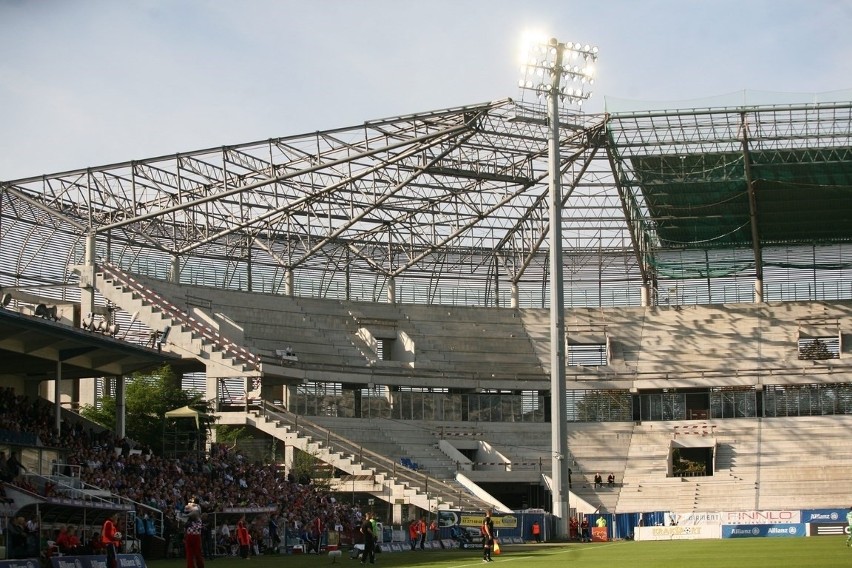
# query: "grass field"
[[821, 552]]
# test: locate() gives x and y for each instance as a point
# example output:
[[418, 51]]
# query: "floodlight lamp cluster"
[[566, 70]]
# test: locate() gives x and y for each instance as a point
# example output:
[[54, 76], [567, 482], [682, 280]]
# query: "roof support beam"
[[632, 214], [752, 211]]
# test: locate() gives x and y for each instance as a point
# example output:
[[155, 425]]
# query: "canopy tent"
[[179, 438], [187, 412]]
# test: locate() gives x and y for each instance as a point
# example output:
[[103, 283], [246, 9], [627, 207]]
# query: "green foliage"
[[147, 399], [230, 435], [103, 414], [307, 466]]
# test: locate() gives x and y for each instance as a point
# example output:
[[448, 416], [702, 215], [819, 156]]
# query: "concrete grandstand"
[[378, 296]]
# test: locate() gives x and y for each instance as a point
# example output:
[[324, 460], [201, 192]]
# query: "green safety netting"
[[701, 201]]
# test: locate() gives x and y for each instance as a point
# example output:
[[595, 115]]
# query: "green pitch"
[[817, 552]]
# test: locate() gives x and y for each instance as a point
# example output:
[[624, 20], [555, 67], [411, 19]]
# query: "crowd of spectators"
[[218, 480]]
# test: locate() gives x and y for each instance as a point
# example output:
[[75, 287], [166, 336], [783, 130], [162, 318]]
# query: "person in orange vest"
[[536, 531], [413, 534], [421, 532], [433, 528], [111, 539], [243, 537]]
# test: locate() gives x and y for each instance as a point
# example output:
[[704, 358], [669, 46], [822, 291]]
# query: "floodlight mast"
[[545, 72]]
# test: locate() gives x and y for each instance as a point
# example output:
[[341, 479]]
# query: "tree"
[[147, 399]]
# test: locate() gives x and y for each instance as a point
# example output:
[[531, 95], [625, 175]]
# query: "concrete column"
[[57, 393], [514, 295], [758, 291], [87, 278], [288, 458], [174, 270], [391, 290], [645, 295], [288, 282], [120, 407]]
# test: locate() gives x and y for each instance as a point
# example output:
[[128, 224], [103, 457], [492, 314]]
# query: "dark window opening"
[[819, 348], [692, 462], [384, 349], [587, 354]]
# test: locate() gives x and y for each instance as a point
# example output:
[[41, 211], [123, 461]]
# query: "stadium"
[[381, 297]]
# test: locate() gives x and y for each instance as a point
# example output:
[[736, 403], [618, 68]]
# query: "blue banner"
[[824, 515], [22, 563], [774, 530], [94, 561]]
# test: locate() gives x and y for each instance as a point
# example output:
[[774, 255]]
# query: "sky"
[[86, 83]]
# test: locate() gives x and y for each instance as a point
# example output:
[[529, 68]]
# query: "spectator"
[[75, 545], [219, 479], [610, 480], [17, 538], [63, 540], [14, 467], [4, 468], [272, 528]]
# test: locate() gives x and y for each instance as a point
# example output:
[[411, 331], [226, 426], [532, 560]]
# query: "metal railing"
[[439, 490]]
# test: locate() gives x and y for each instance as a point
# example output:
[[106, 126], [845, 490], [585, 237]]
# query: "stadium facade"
[[379, 296]]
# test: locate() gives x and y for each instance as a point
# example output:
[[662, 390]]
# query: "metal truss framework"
[[449, 206]]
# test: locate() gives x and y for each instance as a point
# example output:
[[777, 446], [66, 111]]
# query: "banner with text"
[[773, 530], [21, 563], [761, 517], [689, 532], [824, 515], [97, 561]]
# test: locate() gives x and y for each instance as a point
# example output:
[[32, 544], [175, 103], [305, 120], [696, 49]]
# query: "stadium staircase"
[[188, 336], [371, 472]]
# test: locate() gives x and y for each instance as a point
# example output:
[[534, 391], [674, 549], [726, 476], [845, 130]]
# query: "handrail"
[[422, 483], [182, 316], [40, 481]]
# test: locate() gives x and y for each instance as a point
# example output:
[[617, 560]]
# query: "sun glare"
[[530, 39]]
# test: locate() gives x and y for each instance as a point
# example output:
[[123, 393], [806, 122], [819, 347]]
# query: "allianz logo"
[[778, 530], [824, 517], [754, 531]]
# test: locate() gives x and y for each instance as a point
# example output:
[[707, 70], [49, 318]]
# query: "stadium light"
[[563, 70], [561, 73]]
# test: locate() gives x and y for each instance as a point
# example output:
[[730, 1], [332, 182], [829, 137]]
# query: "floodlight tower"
[[562, 73]]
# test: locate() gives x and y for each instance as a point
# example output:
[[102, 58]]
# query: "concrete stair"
[[188, 335], [392, 481]]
